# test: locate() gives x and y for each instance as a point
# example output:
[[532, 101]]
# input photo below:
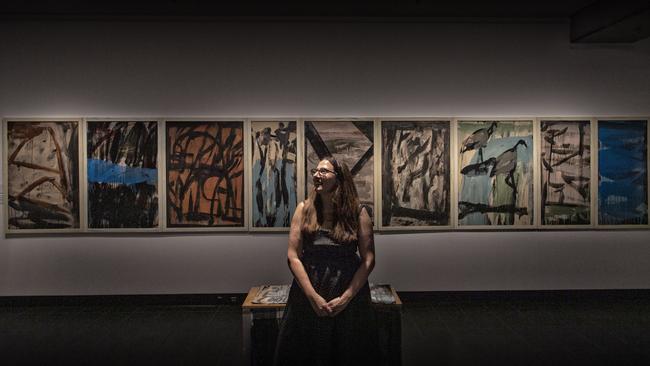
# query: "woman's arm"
[[367, 253], [295, 265]]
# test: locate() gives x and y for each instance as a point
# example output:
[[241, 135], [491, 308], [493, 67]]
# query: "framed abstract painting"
[[349, 141], [205, 186], [41, 175], [566, 157], [622, 173], [415, 174], [274, 173], [122, 175], [495, 174]]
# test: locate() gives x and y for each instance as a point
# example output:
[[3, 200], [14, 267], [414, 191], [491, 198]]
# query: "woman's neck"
[[326, 202], [327, 210]]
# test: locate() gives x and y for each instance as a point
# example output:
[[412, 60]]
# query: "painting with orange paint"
[[205, 174], [42, 175]]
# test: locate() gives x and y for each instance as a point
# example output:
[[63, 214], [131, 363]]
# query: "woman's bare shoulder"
[[299, 209], [364, 210], [301, 206], [364, 216]]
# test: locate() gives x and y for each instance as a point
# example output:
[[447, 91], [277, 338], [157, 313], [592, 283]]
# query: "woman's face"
[[324, 177]]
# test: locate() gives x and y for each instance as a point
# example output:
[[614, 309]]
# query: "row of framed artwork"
[[238, 174]]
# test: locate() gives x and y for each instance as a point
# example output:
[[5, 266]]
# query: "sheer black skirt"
[[349, 338]]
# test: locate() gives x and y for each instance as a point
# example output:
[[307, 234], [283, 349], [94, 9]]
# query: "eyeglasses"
[[322, 171]]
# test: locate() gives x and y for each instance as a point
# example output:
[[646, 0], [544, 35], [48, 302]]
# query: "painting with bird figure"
[[42, 182], [122, 174], [495, 173], [350, 142], [274, 184], [565, 153], [205, 174], [415, 173], [622, 172]]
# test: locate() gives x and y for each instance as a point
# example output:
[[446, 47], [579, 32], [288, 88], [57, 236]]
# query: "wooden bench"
[[262, 320]]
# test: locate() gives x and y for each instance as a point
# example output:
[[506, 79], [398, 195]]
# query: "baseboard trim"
[[406, 297], [126, 300], [578, 295]]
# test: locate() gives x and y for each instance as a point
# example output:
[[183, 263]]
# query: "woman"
[[328, 319]]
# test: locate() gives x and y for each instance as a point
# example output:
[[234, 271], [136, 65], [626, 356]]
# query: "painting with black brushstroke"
[[42, 175], [205, 174], [565, 158], [496, 173], [122, 174], [351, 142], [273, 173], [415, 173]]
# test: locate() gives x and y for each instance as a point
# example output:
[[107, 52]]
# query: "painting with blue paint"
[[122, 174], [622, 173], [274, 173], [496, 173]]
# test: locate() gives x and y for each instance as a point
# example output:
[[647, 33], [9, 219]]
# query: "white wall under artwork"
[[317, 70]]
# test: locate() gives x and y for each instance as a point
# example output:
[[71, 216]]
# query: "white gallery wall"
[[326, 69]]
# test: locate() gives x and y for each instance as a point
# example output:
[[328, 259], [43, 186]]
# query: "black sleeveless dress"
[[349, 338]]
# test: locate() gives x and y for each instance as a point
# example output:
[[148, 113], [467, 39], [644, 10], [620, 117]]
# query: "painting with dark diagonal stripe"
[[351, 142], [122, 174], [205, 174], [42, 175], [274, 173], [566, 172], [415, 173]]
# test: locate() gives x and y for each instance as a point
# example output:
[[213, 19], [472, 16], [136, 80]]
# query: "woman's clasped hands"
[[325, 308]]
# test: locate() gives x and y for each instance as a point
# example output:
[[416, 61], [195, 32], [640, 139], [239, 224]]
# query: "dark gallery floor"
[[507, 328]]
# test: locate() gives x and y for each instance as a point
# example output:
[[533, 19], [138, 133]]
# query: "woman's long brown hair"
[[346, 207]]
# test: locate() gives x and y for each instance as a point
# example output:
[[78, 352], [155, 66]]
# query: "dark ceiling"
[[285, 8], [591, 20]]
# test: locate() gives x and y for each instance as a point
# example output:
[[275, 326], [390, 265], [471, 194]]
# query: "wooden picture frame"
[[361, 133], [274, 144], [593, 174], [600, 121], [495, 165], [57, 175], [159, 189], [437, 131], [209, 173]]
